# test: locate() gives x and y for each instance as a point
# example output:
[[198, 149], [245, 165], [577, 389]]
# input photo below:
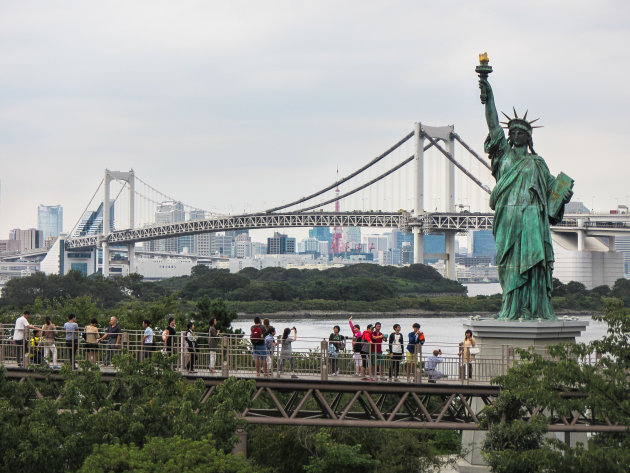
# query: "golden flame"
[[483, 57]]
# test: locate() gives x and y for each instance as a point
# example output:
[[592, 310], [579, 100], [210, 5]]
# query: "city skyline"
[[284, 92]]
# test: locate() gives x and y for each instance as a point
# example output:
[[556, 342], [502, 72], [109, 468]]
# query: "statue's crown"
[[519, 122]]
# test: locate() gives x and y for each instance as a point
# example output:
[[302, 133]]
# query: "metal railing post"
[[277, 359], [225, 351], [418, 373], [324, 360], [2, 345], [181, 363]]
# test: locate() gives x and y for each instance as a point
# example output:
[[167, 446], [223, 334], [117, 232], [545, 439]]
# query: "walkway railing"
[[234, 356]]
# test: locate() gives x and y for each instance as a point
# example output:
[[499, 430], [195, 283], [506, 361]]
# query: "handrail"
[[231, 354]]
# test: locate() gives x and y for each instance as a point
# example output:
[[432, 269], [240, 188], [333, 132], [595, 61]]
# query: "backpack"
[[357, 345], [257, 335], [421, 339]]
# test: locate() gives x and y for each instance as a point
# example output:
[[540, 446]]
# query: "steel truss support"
[[371, 405]]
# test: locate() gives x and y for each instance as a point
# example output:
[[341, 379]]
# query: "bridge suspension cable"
[[363, 186], [471, 151], [86, 208], [344, 179], [167, 197], [456, 163]]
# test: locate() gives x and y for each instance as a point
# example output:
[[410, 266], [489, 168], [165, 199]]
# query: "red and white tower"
[[337, 247]]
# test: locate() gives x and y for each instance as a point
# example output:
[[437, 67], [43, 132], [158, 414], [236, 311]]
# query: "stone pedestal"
[[496, 340], [494, 336]]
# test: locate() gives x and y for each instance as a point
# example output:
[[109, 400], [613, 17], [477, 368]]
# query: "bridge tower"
[[129, 178], [446, 134]]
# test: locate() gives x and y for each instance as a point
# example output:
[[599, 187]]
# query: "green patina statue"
[[525, 200]]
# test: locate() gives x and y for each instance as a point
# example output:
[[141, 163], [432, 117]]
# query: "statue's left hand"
[[566, 196]]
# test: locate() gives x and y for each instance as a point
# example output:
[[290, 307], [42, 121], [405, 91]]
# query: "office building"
[[50, 220], [30, 239], [166, 213], [280, 244], [91, 222], [483, 244]]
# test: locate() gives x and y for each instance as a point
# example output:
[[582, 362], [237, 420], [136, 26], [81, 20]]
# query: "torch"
[[483, 69]]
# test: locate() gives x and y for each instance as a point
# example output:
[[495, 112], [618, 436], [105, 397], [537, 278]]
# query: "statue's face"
[[519, 137]]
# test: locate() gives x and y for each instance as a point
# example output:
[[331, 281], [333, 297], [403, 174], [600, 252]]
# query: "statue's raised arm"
[[487, 98]]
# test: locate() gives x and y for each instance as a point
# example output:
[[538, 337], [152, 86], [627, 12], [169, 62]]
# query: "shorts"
[[259, 352], [357, 359], [411, 357]]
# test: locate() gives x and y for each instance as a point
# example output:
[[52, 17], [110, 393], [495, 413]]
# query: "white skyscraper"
[[50, 220]]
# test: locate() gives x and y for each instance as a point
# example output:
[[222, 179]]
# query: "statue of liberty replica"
[[526, 200]]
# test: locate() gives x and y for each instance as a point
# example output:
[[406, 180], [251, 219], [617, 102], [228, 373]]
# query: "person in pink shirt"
[[361, 345]]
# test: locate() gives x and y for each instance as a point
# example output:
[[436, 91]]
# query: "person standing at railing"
[[147, 339], [113, 335], [286, 349], [21, 336], [168, 336], [396, 346], [466, 349], [213, 342], [270, 343], [337, 342], [430, 366], [416, 340], [48, 341], [361, 345], [91, 340], [377, 351], [72, 338], [259, 353], [191, 340]]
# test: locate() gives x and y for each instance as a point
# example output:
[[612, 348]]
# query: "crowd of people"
[[370, 360], [375, 355]]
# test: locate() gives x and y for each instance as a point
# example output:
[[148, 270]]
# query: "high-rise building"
[[622, 244], [352, 235], [170, 212], [280, 244], [223, 244], [50, 220], [483, 244], [91, 222], [30, 239]]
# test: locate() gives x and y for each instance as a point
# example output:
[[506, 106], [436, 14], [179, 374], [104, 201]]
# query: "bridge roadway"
[[347, 402], [592, 224]]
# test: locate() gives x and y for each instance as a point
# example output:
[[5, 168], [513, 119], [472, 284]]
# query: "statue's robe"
[[521, 230]]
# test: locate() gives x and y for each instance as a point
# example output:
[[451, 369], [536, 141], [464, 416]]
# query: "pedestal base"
[[497, 339], [493, 336]]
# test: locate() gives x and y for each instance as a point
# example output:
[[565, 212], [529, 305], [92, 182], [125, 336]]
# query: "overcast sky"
[[243, 105]]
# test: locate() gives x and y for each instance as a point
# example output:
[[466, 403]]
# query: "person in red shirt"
[[377, 351], [363, 340]]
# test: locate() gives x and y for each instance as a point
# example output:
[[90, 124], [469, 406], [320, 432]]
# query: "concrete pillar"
[[106, 222], [451, 270], [611, 243], [418, 210], [449, 264], [241, 444], [131, 251], [105, 265]]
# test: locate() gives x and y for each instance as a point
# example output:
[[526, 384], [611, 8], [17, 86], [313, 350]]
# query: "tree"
[[55, 426], [165, 455], [601, 387], [332, 457]]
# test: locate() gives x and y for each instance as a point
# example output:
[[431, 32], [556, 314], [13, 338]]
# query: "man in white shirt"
[[20, 336], [430, 366], [147, 339]]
